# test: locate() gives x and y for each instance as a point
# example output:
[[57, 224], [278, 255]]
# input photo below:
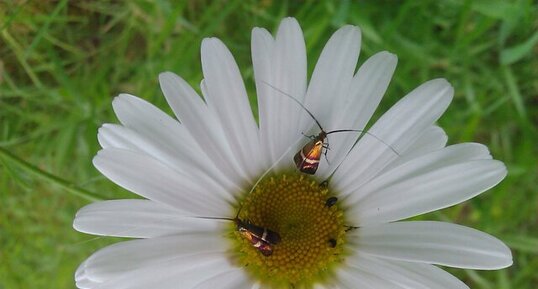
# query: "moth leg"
[[309, 136]]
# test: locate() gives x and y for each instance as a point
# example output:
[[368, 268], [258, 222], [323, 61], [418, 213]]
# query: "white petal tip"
[[124, 96], [101, 131], [507, 263], [504, 258], [166, 75], [256, 31], [289, 26], [441, 82], [349, 29], [122, 99], [80, 271], [107, 126], [116, 99], [213, 48], [80, 213], [391, 57], [499, 168], [209, 42], [170, 80], [440, 87], [76, 224], [97, 160], [289, 20]]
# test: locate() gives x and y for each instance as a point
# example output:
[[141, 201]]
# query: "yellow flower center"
[[309, 222]]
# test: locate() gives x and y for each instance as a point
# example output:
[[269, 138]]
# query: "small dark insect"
[[331, 201], [332, 243], [350, 228], [307, 159]]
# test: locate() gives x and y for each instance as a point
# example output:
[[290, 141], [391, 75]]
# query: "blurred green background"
[[62, 62]]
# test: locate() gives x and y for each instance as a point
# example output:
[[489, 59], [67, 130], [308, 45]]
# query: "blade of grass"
[[517, 52], [44, 29], [68, 186], [514, 92], [479, 280], [522, 243], [17, 50]]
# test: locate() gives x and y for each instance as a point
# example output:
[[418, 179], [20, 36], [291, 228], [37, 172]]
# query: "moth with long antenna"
[[307, 159], [259, 237]]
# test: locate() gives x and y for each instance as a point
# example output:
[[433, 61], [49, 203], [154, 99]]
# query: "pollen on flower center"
[[312, 231]]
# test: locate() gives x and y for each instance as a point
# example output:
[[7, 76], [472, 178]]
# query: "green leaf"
[[515, 53], [522, 243]]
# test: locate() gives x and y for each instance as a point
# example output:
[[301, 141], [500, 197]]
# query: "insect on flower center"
[[310, 225]]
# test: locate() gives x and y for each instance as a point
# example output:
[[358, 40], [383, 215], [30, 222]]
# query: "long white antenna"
[[298, 102]]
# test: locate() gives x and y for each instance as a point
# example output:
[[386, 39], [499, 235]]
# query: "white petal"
[[262, 51], [151, 179], [142, 116], [399, 128], [203, 126], [233, 279], [289, 74], [432, 139], [121, 258], [328, 286], [328, 87], [227, 98], [362, 98], [186, 271], [283, 72], [429, 191], [414, 113], [83, 280], [151, 123], [353, 278], [193, 163], [434, 243], [137, 219], [416, 167], [406, 274], [332, 75]]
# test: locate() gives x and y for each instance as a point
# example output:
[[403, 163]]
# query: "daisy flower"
[[213, 181]]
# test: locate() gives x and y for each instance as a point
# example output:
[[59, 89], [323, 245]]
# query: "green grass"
[[62, 62]]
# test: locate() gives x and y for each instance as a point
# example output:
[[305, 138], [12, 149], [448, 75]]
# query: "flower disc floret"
[[312, 233]]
